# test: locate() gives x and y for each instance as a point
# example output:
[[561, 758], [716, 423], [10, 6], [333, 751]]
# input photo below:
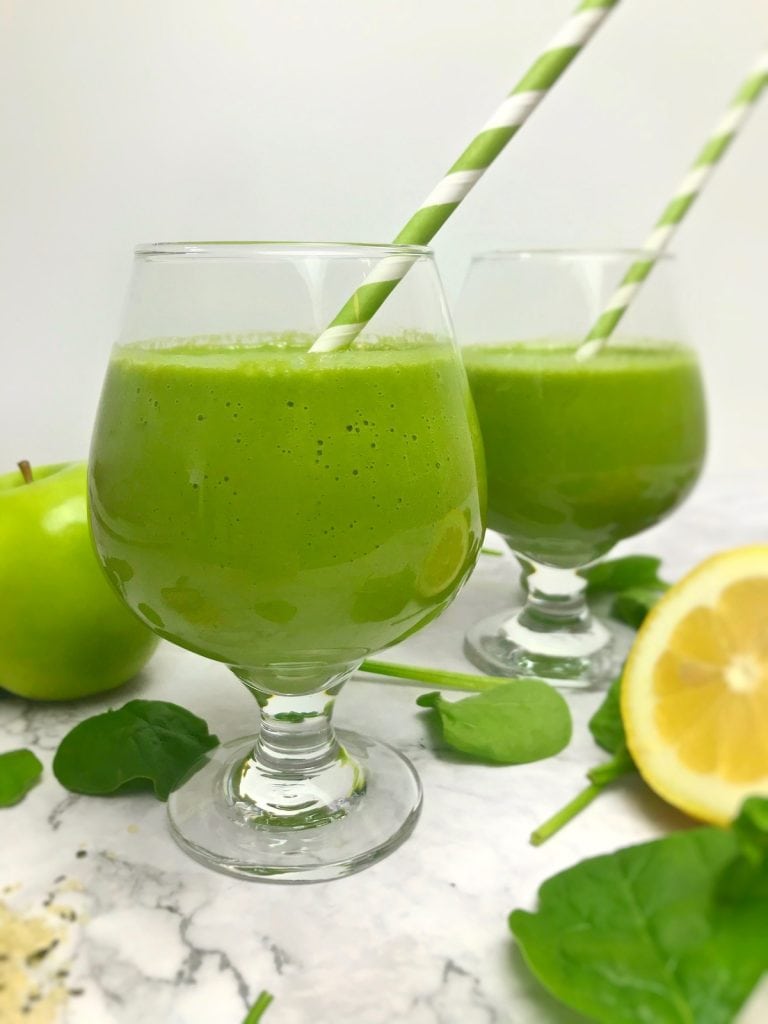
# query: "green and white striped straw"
[[726, 130], [465, 173]]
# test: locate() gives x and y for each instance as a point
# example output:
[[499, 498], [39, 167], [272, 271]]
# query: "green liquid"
[[261, 505], [581, 455]]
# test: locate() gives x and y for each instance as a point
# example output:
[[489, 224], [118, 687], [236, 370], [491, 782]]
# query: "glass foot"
[[502, 646], [220, 815]]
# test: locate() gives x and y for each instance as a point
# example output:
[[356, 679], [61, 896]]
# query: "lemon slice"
[[447, 557], [695, 688]]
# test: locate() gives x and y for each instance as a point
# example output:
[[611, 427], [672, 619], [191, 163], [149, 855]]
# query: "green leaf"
[[637, 935], [257, 1010], [617, 574], [631, 606], [523, 721], [19, 771], [430, 700], [747, 874], [607, 729], [148, 741], [632, 582], [606, 725], [751, 828]]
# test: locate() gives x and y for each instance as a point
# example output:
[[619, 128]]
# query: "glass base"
[[500, 646], [230, 834]]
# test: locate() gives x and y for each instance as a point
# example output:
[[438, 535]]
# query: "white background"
[[140, 120]]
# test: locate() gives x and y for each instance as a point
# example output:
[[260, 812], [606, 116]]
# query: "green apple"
[[64, 633]]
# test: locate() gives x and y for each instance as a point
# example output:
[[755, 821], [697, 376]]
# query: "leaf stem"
[[258, 1008], [565, 814], [491, 551], [435, 676], [26, 471]]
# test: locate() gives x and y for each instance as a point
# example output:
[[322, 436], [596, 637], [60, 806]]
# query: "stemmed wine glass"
[[288, 513], [580, 453]]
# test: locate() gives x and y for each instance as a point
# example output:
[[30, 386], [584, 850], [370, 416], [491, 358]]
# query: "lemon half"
[[695, 688]]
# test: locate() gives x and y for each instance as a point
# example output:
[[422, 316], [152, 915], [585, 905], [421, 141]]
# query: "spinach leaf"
[[636, 586], [633, 583], [617, 574], [751, 828], [257, 1010], [519, 722], [641, 935], [746, 877], [146, 741], [606, 725], [631, 606], [19, 771], [607, 729]]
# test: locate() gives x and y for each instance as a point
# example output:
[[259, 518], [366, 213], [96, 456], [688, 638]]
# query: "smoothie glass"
[[580, 453], [287, 513]]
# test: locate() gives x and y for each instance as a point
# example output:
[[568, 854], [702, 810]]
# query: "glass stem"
[[556, 600], [555, 621], [298, 772], [296, 733]]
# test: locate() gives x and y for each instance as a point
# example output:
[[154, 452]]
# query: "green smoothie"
[[582, 454], [259, 504]]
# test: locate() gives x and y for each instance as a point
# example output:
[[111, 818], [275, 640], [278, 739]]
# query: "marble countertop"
[[147, 935]]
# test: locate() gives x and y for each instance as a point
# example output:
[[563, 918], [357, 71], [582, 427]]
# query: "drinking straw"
[[726, 130], [465, 172]]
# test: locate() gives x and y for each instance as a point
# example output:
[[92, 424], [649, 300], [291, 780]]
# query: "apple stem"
[[26, 471]]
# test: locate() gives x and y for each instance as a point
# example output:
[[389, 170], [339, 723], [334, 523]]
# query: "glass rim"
[[576, 253], [245, 249]]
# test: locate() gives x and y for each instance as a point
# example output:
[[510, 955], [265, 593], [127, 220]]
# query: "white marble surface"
[[420, 937]]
